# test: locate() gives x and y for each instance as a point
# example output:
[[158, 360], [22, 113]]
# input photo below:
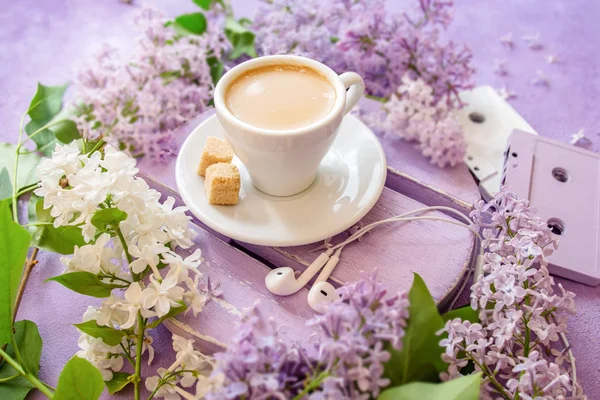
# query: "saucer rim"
[[240, 236]]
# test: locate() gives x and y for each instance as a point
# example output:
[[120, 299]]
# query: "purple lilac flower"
[[521, 314], [363, 37], [387, 50], [345, 361], [136, 102]]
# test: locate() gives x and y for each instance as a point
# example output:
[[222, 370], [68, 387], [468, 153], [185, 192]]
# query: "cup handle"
[[356, 88]]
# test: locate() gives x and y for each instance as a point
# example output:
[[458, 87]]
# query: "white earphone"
[[283, 282]]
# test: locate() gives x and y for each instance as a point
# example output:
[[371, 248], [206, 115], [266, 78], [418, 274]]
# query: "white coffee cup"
[[285, 162]]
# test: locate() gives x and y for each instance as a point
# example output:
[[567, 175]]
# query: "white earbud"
[[323, 292], [283, 282]]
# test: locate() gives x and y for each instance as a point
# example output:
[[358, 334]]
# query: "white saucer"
[[349, 182]]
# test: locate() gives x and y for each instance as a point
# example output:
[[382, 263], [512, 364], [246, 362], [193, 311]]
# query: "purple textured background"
[[46, 40]]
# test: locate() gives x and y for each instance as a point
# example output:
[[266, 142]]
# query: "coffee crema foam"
[[280, 97]]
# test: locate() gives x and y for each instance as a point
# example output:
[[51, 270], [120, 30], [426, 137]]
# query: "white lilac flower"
[[100, 354], [552, 59], [166, 391], [541, 79], [533, 41], [147, 255], [189, 264], [507, 41], [194, 297], [577, 136], [90, 257], [132, 305], [506, 94], [501, 68], [106, 314], [163, 295], [77, 186]]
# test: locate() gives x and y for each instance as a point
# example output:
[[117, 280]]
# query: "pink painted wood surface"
[[396, 250]]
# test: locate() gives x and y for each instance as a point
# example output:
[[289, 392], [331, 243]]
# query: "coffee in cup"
[[280, 97]]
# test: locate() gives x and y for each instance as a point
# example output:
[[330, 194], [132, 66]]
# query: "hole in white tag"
[[560, 174], [324, 293], [556, 226], [476, 117]]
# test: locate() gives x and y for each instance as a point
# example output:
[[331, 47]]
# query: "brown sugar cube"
[[215, 151], [222, 184]]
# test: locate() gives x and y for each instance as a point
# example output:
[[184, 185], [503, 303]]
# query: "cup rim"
[[232, 74]]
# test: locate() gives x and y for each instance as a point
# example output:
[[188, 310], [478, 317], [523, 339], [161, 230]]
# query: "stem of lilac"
[[491, 376], [127, 355], [34, 381], [563, 337], [28, 189], [113, 277], [377, 98], [315, 383], [124, 244], [97, 146], [138, 356], [15, 168], [154, 391]]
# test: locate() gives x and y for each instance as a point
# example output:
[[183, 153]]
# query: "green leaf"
[[5, 186], [193, 23], [216, 68], [205, 4], [66, 131], [110, 336], [61, 240], [465, 313], [79, 380], [29, 343], [14, 389], [45, 140], [14, 242], [85, 283], [118, 382], [108, 217], [27, 173], [172, 312], [241, 38], [463, 388], [45, 106], [420, 357], [46, 103]]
